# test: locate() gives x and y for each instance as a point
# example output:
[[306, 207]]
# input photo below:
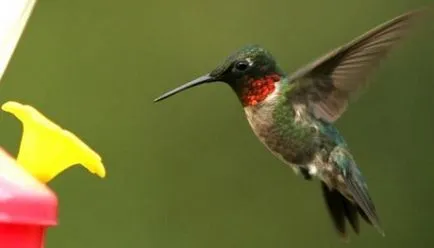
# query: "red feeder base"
[[21, 236]]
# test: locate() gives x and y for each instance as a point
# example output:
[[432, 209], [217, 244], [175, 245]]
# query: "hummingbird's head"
[[251, 72]]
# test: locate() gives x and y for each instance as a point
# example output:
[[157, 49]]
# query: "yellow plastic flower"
[[46, 149]]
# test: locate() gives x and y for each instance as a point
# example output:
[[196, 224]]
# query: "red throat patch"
[[258, 89]]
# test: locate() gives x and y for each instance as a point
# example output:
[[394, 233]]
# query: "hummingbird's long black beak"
[[198, 81]]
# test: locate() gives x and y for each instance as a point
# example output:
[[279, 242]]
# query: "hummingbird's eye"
[[242, 65]]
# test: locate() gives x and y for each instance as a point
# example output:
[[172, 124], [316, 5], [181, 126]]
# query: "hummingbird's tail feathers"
[[348, 193], [359, 192], [340, 210]]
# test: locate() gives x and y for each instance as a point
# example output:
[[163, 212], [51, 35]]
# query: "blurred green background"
[[188, 172]]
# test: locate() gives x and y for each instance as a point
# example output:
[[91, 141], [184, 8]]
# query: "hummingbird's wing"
[[327, 84]]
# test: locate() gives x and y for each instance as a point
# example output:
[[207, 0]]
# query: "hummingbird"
[[293, 115]]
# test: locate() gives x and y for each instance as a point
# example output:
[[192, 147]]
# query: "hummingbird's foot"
[[306, 173]]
